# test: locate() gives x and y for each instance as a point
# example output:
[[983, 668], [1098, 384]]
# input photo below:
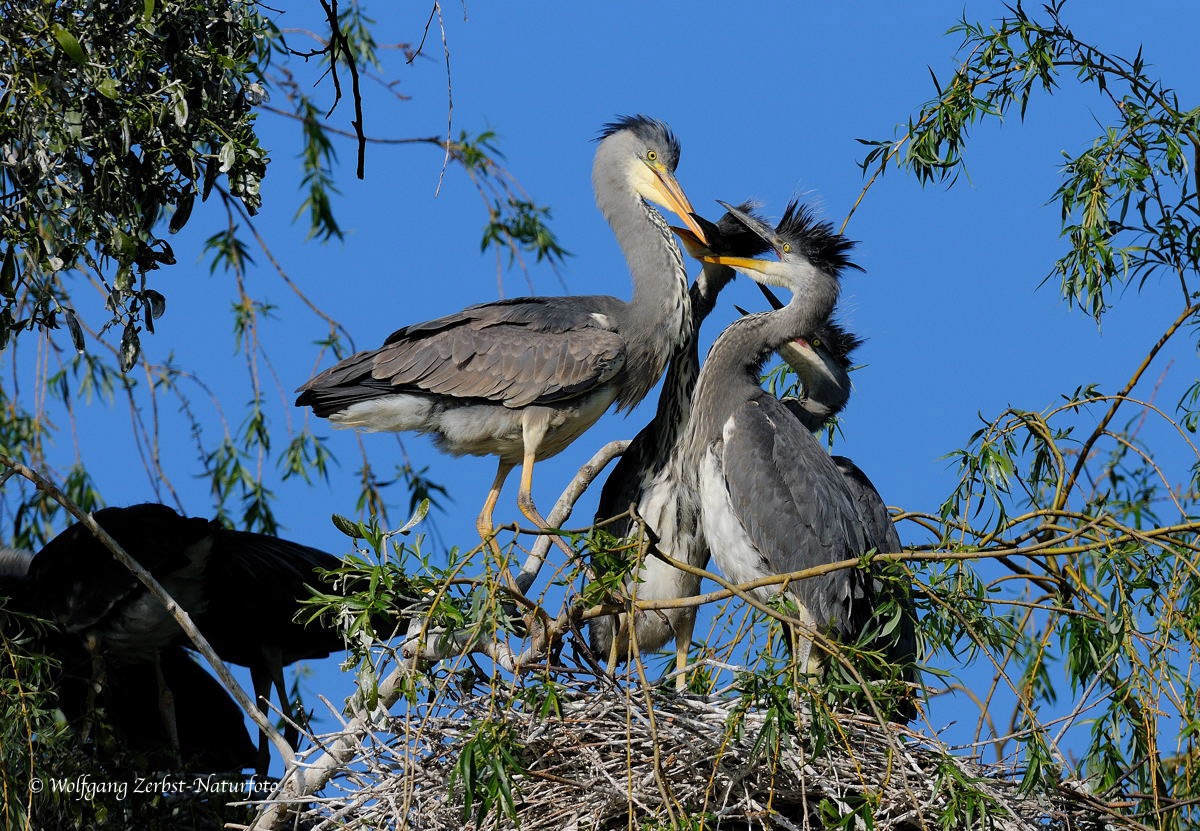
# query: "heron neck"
[[730, 375], [675, 399], [659, 318]]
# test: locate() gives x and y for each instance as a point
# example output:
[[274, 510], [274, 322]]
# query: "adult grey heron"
[[644, 477], [521, 379], [772, 501], [241, 589]]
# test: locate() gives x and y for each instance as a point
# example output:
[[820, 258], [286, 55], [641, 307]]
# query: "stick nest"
[[690, 759]]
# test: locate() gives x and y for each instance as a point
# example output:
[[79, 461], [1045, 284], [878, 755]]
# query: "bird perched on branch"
[[521, 379], [772, 501], [242, 590], [643, 477]]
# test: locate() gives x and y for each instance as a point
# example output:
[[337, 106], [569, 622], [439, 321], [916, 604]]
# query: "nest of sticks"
[[682, 761]]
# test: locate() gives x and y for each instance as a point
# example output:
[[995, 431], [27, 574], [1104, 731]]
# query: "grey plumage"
[[772, 500], [645, 478], [521, 379]]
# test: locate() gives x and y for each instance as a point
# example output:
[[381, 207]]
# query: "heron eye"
[[651, 155], [816, 342], [787, 248]]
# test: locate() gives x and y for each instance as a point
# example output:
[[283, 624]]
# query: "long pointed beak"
[[762, 229], [801, 357], [775, 302], [676, 201], [692, 244], [747, 263]]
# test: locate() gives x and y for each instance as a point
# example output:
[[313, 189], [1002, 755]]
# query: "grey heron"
[[645, 478], [521, 379], [210, 726], [772, 501], [241, 589], [822, 362]]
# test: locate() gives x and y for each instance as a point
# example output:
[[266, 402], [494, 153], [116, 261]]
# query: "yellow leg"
[[525, 494], [683, 645], [483, 524], [613, 650]]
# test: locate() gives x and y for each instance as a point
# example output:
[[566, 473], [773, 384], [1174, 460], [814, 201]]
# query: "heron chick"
[[645, 477], [772, 500]]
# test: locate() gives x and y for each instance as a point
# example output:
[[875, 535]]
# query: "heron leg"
[[260, 676], [487, 532], [291, 733], [683, 644], [533, 430], [614, 649], [95, 683], [166, 707]]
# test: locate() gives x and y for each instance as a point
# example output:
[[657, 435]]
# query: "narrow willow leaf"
[[417, 516], [75, 329]]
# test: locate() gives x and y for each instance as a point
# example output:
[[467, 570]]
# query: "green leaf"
[[108, 88], [183, 210], [347, 526], [69, 44], [147, 10], [8, 273]]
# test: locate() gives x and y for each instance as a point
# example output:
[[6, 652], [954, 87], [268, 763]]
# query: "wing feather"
[[535, 350], [791, 500]]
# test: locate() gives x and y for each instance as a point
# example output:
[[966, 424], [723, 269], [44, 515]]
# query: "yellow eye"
[[816, 343], [787, 248], [651, 155]]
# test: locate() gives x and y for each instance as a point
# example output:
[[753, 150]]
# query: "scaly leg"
[[683, 645], [260, 676], [534, 430], [166, 708], [483, 524]]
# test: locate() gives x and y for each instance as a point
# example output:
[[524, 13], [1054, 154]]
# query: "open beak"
[[766, 232], [802, 358], [674, 199], [692, 244]]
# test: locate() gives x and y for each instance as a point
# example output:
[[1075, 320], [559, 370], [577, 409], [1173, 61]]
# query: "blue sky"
[[768, 100]]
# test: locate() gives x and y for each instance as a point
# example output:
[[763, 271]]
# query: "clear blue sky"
[[767, 99]]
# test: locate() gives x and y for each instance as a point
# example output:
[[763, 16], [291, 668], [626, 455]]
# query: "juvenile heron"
[[645, 478], [521, 379], [241, 589], [822, 362], [771, 499]]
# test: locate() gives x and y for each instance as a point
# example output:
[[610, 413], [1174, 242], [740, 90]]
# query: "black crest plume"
[[815, 238], [649, 130]]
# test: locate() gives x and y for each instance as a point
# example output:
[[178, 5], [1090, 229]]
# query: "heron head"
[[802, 243], [645, 152], [727, 236], [822, 360]]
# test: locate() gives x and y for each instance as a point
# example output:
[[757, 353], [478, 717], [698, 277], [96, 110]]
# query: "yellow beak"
[[673, 197], [741, 262]]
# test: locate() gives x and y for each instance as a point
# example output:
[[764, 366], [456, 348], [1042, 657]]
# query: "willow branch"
[[563, 507]]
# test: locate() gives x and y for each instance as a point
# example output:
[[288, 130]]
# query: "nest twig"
[[593, 765]]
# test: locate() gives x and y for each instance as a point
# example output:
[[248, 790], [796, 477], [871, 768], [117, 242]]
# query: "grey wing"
[[793, 505], [882, 536], [529, 351], [881, 533]]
